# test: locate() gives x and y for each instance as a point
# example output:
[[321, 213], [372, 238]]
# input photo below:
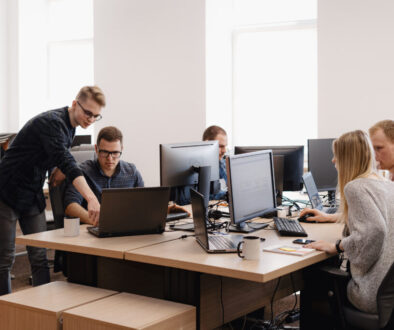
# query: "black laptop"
[[210, 243], [313, 194], [132, 211]]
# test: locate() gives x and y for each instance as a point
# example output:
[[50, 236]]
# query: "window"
[[272, 69], [56, 54]]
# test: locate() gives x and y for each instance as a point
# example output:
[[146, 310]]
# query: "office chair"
[[349, 317]]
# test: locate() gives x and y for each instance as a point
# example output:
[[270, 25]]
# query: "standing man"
[[42, 144], [382, 137], [219, 134]]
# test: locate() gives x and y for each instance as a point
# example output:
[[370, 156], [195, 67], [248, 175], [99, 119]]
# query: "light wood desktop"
[[180, 270], [187, 254], [86, 243]]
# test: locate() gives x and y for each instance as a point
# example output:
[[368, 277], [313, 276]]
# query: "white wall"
[[9, 77], [356, 64], [149, 60], [219, 81], [3, 67]]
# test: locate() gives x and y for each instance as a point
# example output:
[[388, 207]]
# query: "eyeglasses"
[[89, 114], [106, 153]]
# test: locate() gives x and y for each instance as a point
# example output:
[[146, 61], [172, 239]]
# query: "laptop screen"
[[199, 218], [312, 191]]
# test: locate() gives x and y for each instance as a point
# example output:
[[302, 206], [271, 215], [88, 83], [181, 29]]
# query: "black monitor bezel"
[[320, 187], [277, 151], [230, 186]]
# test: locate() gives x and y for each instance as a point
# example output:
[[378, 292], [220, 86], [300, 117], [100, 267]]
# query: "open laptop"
[[210, 243], [132, 211], [313, 194]]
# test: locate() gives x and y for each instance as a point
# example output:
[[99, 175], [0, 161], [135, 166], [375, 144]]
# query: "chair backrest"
[[82, 155], [385, 298]]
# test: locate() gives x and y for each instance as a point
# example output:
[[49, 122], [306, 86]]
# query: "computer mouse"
[[305, 217]]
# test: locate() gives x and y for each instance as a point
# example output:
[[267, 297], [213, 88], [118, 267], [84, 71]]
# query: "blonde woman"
[[367, 209]]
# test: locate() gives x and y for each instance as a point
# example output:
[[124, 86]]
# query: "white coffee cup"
[[250, 248], [71, 227]]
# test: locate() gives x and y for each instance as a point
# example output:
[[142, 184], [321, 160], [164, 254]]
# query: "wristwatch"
[[337, 246]]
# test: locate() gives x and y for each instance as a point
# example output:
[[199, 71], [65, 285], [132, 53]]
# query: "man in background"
[[382, 137], [217, 133]]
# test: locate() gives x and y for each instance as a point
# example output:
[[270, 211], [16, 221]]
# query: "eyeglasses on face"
[[89, 114], [106, 153]]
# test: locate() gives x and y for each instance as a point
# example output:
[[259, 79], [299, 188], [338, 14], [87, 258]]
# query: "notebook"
[[210, 243], [289, 249], [313, 194], [132, 211]]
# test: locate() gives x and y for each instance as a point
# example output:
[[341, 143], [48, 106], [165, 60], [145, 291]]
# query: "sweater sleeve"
[[366, 226]]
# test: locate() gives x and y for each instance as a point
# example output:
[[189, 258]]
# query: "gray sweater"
[[370, 244]]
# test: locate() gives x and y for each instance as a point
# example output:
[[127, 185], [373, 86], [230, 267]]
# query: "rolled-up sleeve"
[[71, 195]]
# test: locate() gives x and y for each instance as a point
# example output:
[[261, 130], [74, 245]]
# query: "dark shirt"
[[126, 176], [42, 144], [222, 175]]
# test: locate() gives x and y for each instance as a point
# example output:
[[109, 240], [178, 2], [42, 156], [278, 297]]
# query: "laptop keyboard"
[[288, 227], [221, 242]]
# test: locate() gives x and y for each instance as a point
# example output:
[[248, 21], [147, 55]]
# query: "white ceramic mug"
[[250, 248], [71, 227]]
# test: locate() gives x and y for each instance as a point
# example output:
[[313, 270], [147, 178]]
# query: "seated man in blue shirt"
[[219, 134], [108, 171]]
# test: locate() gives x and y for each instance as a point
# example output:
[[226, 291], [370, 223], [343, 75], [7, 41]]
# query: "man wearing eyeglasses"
[[108, 171], [41, 145]]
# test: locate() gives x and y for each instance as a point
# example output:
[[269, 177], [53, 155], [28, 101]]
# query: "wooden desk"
[[182, 271], [187, 254], [86, 243]]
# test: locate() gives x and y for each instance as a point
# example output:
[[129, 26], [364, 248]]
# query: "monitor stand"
[[247, 227]]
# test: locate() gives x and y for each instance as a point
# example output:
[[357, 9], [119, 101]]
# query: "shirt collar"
[[117, 169]]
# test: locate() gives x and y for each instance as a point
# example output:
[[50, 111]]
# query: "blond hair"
[[355, 159], [91, 92], [387, 126]]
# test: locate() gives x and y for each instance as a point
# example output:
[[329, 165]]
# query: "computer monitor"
[[251, 188], [320, 156], [190, 164], [278, 171], [81, 139], [293, 166]]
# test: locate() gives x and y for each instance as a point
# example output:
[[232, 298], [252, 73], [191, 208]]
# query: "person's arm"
[[93, 204], [174, 208], [320, 216], [72, 196], [75, 210], [367, 227]]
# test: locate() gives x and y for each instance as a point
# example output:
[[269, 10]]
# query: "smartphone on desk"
[[303, 241]]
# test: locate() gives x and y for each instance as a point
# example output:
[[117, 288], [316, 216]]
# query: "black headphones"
[[216, 214]]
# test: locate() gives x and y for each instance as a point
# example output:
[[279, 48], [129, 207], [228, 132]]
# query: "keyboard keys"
[[288, 227]]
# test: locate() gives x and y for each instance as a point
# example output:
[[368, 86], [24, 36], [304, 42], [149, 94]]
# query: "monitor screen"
[[293, 164], [320, 156], [81, 139], [189, 164], [251, 185]]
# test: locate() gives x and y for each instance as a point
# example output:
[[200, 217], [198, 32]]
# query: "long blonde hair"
[[355, 158]]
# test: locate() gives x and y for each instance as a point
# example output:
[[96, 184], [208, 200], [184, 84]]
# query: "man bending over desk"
[[108, 171]]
